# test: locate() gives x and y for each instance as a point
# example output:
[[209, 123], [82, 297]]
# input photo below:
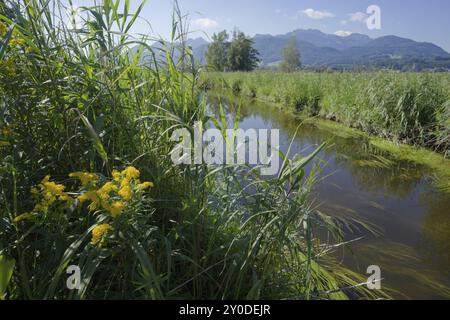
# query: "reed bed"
[[412, 108], [87, 180]]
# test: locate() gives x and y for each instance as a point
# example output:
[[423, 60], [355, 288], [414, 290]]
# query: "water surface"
[[395, 197]]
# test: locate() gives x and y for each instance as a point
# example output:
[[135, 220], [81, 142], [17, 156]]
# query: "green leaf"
[[6, 271], [298, 165], [95, 138], [135, 16]]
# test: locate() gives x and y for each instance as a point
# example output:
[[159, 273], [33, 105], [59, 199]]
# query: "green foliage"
[[241, 55], [6, 271], [291, 57], [80, 100], [237, 55], [217, 54], [412, 108]]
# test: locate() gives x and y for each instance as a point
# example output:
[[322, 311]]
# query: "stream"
[[396, 198]]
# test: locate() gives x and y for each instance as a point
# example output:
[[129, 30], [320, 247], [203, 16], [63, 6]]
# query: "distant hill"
[[356, 51]]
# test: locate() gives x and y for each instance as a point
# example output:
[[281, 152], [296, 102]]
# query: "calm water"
[[396, 198]]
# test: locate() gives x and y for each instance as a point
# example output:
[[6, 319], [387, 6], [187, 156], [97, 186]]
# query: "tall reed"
[[408, 107], [92, 102]]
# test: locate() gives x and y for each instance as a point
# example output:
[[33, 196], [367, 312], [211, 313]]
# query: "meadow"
[[87, 182], [411, 108]]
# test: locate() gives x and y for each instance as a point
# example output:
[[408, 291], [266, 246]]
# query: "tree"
[[217, 54], [237, 55], [241, 54], [291, 57]]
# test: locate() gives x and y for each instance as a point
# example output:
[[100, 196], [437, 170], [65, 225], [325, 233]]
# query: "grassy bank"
[[412, 108], [87, 178]]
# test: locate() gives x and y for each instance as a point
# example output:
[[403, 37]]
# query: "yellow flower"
[[51, 192], [23, 217], [116, 175], [53, 188], [86, 178], [49, 197], [116, 209], [99, 232], [93, 206], [131, 173], [125, 182], [104, 191], [65, 198], [126, 193], [90, 196], [87, 196], [145, 185]]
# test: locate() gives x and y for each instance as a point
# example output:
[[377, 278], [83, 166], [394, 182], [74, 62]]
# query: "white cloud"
[[358, 17], [316, 14], [206, 23], [278, 11], [342, 33]]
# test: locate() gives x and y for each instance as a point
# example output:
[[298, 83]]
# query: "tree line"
[[240, 55]]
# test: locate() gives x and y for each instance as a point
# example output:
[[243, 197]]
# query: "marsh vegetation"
[[87, 180], [411, 108]]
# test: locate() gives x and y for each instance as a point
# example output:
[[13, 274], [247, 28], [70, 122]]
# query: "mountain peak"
[[346, 50]]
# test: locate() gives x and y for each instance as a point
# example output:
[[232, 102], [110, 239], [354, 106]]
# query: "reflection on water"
[[363, 183]]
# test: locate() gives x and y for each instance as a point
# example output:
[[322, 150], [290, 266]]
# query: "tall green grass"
[[85, 100], [407, 107]]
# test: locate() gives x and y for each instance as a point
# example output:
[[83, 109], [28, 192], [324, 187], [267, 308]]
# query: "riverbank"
[[437, 164], [387, 199], [407, 108]]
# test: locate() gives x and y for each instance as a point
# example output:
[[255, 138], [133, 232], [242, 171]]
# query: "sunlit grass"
[[87, 179], [412, 108]]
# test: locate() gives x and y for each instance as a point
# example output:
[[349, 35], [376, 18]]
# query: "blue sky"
[[420, 20]]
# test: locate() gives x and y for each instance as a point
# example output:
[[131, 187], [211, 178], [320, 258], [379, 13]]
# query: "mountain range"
[[355, 51]]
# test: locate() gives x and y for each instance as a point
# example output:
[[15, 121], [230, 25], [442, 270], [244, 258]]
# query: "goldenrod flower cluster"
[[86, 178], [49, 194], [114, 195], [99, 232]]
